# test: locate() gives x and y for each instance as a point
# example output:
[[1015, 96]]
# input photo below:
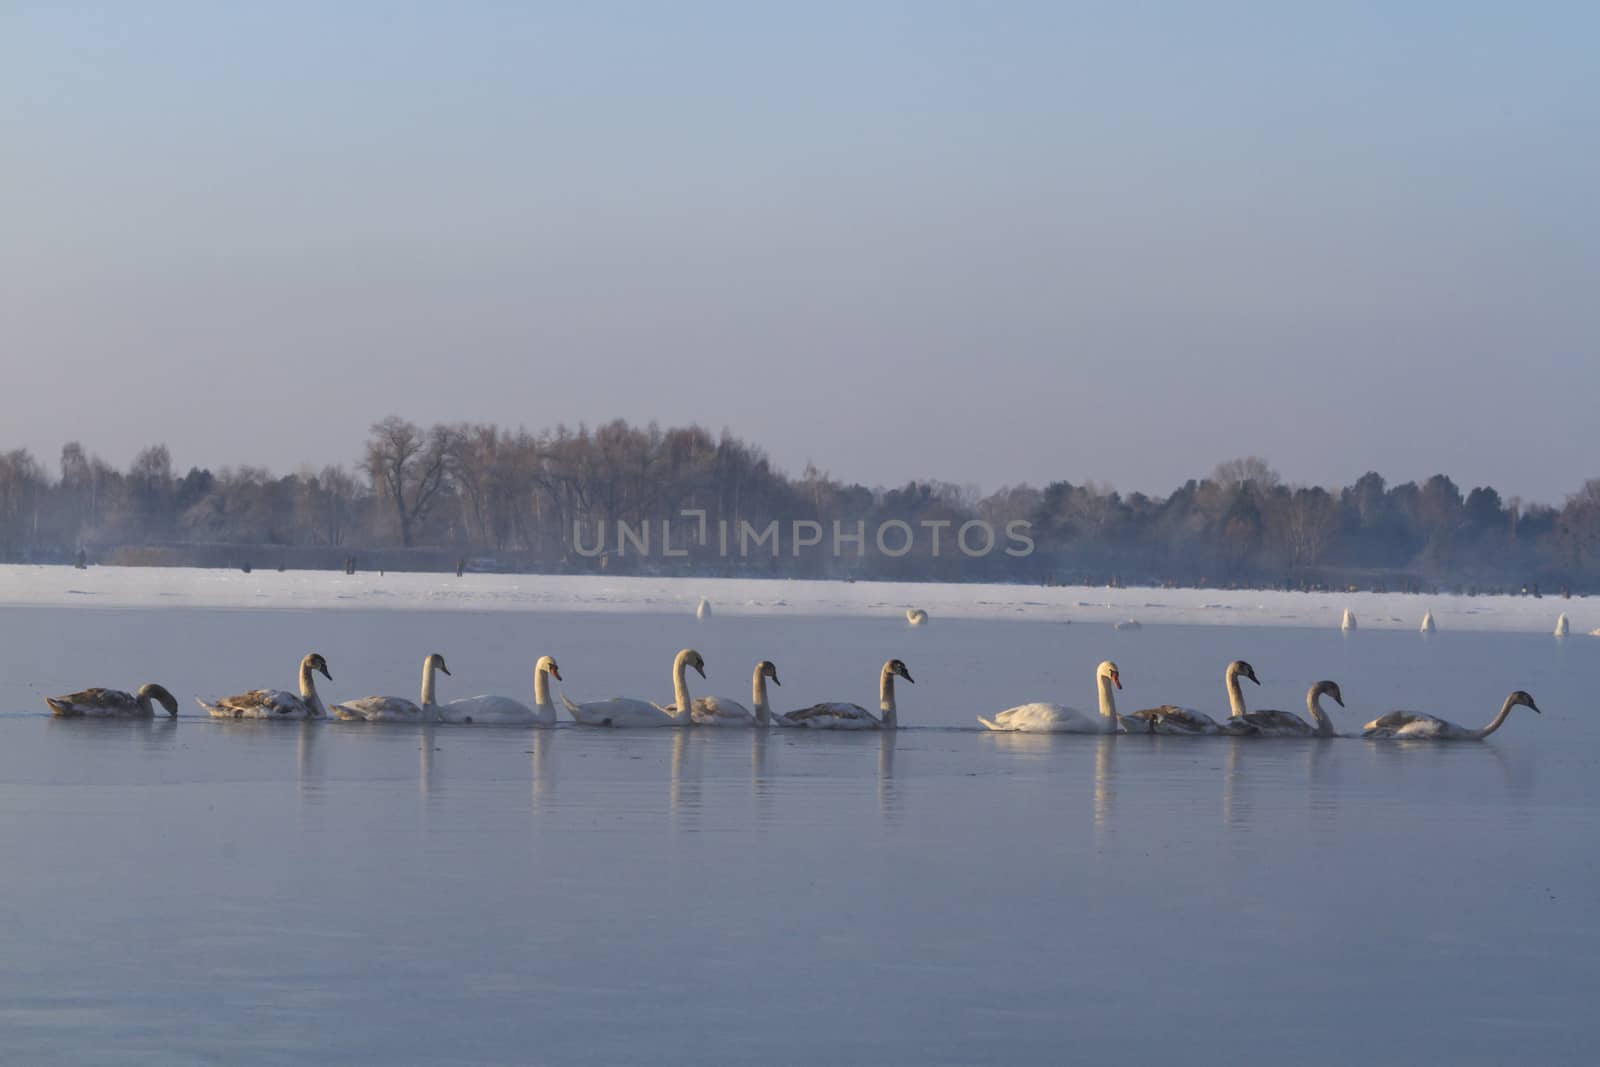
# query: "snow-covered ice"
[[127, 587]]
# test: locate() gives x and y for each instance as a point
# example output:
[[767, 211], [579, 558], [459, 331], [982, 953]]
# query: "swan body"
[[1415, 726], [916, 617], [1040, 718], [632, 714], [277, 703], [393, 709], [1287, 724], [1187, 722], [1128, 624], [498, 710], [113, 703], [836, 715], [725, 711]]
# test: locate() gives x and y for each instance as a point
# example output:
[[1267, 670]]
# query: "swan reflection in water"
[[887, 806], [543, 780]]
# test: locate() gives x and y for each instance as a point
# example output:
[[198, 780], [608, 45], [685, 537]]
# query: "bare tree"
[[409, 467]]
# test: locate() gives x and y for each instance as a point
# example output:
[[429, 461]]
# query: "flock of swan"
[[685, 710]]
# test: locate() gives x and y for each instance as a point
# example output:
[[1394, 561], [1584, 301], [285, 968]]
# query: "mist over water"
[[260, 892]]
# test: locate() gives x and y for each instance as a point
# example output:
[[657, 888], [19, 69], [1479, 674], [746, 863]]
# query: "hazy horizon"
[[1028, 243]]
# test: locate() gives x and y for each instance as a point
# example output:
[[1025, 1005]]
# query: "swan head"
[[768, 669], [547, 664], [159, 694], [436, 663], [1109, 670], [1240, 669], [896, 666], [1327, 688], [1523, 697], [691, 658], [315, 662]]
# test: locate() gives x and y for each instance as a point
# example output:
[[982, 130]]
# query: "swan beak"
[[775, 680], [907, 677], [325, 673], [701, 671], [445, 669], [1116, 680], [1338, 700], [555, 672], [1535, 708]]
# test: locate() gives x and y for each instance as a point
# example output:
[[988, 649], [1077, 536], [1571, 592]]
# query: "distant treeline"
[[539, 502]]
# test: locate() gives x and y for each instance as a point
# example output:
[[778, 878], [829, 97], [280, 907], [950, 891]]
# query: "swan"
[[1055, 719], [725, 711], [1288, 724], [504, 710], [394, 709], [1171, 719], [916, 617], [1414, 726], [1349, 621], [1563, 627], [113, 703], [1428, 626], [630, 713], [840, 716], [702, 610], [277, 703]]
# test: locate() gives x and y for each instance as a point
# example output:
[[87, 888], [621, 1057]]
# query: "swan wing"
[[260, 704], [94, 702], [718, 711], [1274, 723], [624, 712], [1170, 719], [487, 709], [831, 716], [377, 709], [1042, 718], [1406, 724]]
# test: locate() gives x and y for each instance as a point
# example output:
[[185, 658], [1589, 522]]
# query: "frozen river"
[[199, 891]]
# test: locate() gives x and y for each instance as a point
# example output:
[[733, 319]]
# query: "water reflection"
[[1105, 773], [683, 791], [308, 764], [887, 807], [543, 778]]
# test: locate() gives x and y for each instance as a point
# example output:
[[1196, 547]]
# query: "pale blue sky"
[[982, 242]]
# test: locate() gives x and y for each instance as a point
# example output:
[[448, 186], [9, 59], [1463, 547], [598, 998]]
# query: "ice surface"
[[125, 587]]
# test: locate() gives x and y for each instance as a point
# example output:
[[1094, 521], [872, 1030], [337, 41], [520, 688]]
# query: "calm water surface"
[[195, 892]]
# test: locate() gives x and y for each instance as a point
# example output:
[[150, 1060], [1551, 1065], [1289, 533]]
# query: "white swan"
[[1563, 627], [1414, 726], [916, 617], [841, 716], [1172, 719], [503, 710], [276, 703], [725, 711], [1428, 626], [629, 713], [1271, 723], [1349, 621], [1042, 718], [113, 703], [393, 709], [702, 610]]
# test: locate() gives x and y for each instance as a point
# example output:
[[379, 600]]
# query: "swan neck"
[[1319, 718], [886, 697], [1505, 709], [1235, 695], [1108, 699], [427, 682], [758, 697], [308, 687], [680, 686], [541, 690]]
